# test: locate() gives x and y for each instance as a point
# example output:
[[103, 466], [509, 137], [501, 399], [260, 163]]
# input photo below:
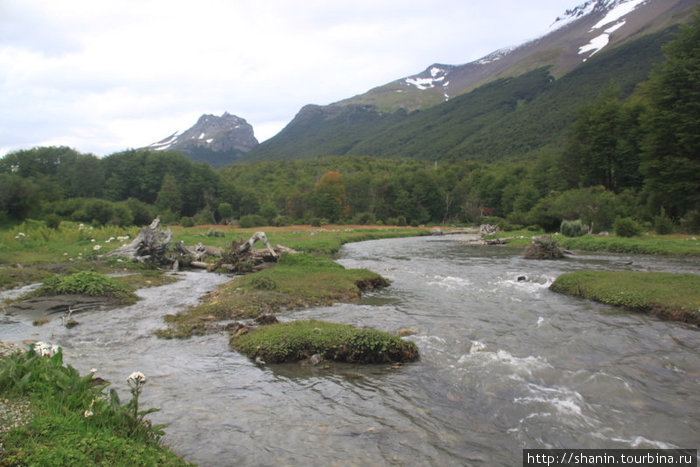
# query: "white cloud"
[[106, 76]]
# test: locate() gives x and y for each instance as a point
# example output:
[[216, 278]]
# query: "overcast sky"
[[104, 76]]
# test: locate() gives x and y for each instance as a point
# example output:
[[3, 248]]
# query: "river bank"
[[668, 296], [490, 346]]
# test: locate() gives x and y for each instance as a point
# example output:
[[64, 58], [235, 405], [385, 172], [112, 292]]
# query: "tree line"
[[631, 157]]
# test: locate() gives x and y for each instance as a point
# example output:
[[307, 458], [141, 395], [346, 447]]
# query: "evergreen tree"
[[671, 149], [169, 197], [602, 148]]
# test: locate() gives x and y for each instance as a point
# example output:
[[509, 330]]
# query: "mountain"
[[571, 40], [215, 140], [510, 103]]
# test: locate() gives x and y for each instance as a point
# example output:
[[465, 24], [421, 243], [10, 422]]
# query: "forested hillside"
[[631, 153], [509, 118]]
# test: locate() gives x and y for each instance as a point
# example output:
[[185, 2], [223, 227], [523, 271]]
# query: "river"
[[505, 365]]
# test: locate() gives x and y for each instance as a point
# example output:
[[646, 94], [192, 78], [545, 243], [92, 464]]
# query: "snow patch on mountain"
[[617, 16], [437, 75], [619, 10]]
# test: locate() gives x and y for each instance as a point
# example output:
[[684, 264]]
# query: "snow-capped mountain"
[[570, 40], [212, 139]]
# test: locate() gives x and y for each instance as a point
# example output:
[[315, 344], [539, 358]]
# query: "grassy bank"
[[304, 238], [297, 281], [62, 418], [669, 296], [676, 244], [299, 340]]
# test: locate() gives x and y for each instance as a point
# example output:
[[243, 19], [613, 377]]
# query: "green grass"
[[298, 340], [32, 243], [31, 252], [89, 283], [686, 245], [676, 244], [73, 420], [297, 281], [669, 296], [321, 240]]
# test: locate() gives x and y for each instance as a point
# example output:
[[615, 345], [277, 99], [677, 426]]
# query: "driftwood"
[[243, 257], [149, 246], [488, 229], [152, 245]]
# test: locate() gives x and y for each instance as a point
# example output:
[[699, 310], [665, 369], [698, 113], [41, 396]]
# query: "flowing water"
[[505, 365]]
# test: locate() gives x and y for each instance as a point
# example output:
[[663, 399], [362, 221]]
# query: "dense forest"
[[630, 154]]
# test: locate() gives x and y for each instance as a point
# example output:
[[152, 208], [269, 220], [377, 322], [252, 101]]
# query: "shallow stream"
[[505, 365]]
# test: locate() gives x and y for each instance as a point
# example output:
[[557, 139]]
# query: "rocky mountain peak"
[[219, 134]]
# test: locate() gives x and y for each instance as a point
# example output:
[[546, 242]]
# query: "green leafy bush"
[[627, 227], [53, 221], [263, 283], [573, 228], [663, 224], [252, 220]]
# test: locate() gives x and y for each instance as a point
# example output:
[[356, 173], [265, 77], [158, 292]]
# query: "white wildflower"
[[136, 378], [93, 370], [44, 349], [109, 239], [92, 240], [88, 413], [96, 247]]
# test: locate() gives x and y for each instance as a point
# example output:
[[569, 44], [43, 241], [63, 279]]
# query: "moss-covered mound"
[[89, 283], [298, 340], [669, 296]]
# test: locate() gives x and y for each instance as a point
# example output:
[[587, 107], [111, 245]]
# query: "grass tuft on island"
[[297, 281], [666, 295], [298, 340], [90, 283]]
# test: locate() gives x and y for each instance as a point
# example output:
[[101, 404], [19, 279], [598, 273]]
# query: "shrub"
[[263, 283], [282, 221], [252, 220], [543, 247], [52, 221], [663, 224], [364, 218], [187, 222], [573, 228], [690, 223], [627, 227]]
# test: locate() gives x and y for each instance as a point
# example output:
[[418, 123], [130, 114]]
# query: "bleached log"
[[248, 246]]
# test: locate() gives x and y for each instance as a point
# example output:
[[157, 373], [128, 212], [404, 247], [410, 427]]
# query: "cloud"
[[105, 76]]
